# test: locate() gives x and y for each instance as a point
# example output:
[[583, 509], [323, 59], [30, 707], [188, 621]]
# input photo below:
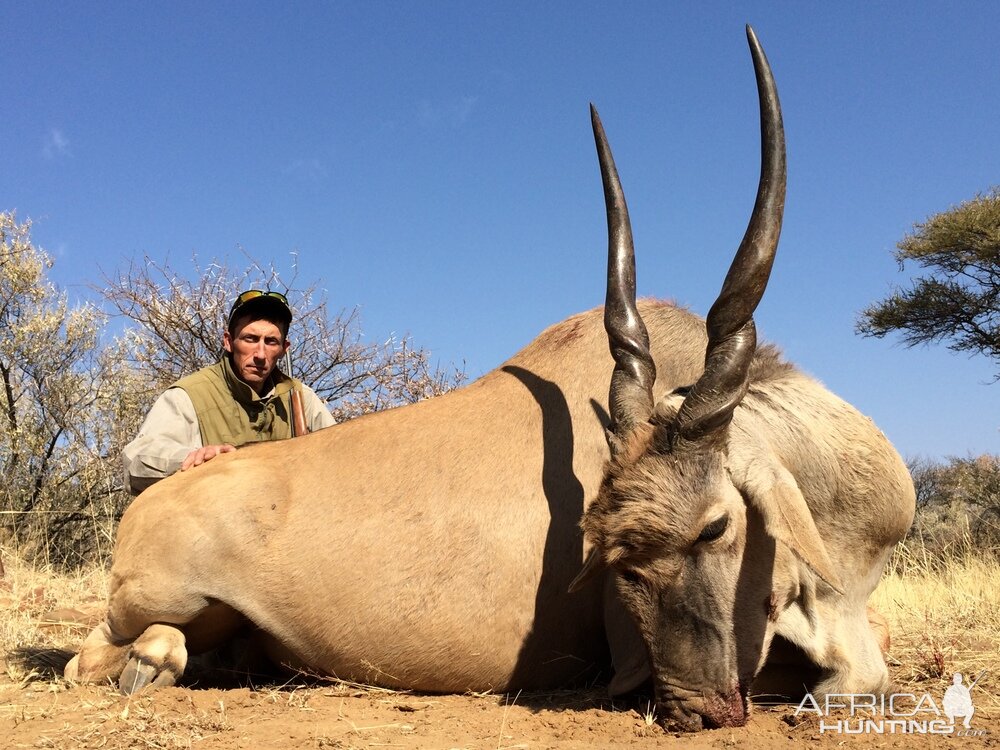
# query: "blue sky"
[[433, 164]]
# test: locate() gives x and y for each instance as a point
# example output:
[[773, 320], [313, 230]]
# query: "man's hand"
[[206, 453]]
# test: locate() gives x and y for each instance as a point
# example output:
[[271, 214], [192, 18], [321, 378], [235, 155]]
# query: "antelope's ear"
[[629, 655], [773, 491]]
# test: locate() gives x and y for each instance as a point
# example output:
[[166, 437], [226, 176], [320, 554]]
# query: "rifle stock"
[[298, 418]]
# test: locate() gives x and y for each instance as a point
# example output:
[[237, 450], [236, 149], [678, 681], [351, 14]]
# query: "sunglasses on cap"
[[252, 294], [255, 293]]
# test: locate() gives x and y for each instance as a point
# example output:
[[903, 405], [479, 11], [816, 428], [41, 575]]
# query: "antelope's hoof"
[[139, 674]]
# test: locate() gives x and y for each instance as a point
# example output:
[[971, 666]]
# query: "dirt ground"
[[41, 710], [51, 714]]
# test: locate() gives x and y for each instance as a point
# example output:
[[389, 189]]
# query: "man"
[[243, 398]]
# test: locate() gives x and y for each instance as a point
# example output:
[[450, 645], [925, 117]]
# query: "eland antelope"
[[531, 529]]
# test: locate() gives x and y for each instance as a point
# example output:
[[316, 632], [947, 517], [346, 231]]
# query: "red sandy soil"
[[52, 714]]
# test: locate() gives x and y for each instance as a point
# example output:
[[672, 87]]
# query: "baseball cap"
[[257, 300]]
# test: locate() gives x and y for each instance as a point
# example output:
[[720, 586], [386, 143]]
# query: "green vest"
[[230, 411]]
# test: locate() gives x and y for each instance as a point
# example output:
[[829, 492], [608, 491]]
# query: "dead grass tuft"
[[944, 615], [27, 593]]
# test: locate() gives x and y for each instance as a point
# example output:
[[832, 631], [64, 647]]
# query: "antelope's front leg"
[[102, 657]]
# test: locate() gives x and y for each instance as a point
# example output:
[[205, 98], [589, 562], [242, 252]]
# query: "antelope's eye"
[[714, 530], [630, 576]]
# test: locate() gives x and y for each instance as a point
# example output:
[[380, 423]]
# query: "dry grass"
[[27, 593], [944, 616], [943, 610]]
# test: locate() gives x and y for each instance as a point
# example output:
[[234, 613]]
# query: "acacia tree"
[[52, 451], [957, 299]]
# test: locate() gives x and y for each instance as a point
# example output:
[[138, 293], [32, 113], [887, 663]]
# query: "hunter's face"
[[256, 347]]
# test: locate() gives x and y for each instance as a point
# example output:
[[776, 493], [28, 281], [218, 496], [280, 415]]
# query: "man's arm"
[[169, 440], [314, 410]]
